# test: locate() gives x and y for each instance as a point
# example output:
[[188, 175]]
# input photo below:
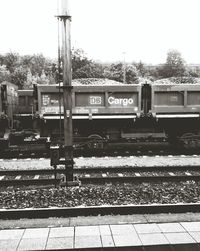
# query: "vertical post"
[[65, 19]]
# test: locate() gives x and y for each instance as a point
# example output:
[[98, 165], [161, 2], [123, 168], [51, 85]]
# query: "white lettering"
[[120, 101], [95, 100]]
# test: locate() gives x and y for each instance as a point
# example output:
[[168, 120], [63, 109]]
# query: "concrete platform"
[[162, 236]]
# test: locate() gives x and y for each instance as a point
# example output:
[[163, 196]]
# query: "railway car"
[[105, 113], [118, 113], [177, 108], [24, 137]]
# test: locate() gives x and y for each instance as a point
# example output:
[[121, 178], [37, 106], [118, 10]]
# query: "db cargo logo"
[[120, 101], [95, 100]]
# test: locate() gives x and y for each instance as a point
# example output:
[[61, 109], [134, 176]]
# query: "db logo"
[[95, 100]]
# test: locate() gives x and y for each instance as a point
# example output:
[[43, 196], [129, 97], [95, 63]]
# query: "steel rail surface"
[[101, 169]]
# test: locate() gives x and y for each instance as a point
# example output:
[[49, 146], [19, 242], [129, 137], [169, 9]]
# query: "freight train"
[[109, 113], [117, 113]]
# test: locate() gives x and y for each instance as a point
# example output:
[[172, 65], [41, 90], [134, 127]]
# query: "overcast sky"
[[104, 29]]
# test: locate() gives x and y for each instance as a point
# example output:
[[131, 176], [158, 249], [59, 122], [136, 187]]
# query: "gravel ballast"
[[97, 195], [93, 195]]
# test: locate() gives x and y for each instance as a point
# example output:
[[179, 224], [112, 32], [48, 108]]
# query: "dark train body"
[[177, 107], [99, 112], [111, 114], [125, 113]]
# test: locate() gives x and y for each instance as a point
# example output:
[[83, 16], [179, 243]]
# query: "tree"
[[174, 66], [116, 72], [19, 76], [4, 74], [82, 67], [142, 71], [131, 74], [43, 79], [91, 70], [37, 64], [11, 60], [79, 59]]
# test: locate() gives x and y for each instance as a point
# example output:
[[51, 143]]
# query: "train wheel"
[[95, 142]]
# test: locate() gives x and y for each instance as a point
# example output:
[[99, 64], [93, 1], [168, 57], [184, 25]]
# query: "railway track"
[[97, 175], [115, 149]]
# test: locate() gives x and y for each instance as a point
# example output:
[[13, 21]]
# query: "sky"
[[107, 30]]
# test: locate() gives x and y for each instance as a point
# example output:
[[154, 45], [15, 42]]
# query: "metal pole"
[[67, 88]]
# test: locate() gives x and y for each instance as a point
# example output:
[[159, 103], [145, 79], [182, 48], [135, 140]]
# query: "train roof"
[[102, 82], [95, 81]]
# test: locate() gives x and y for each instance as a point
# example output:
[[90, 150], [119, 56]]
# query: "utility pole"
[[65, 20]]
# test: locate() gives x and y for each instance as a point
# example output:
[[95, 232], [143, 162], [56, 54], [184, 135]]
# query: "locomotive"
[[107, 114]]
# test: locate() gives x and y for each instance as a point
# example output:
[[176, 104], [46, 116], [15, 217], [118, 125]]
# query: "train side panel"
[[181, 100], [100, 111], [26, 103], [92, 101], [177, 109]]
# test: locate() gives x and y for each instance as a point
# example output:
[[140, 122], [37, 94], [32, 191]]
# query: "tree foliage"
[[118, 70], [4, 74], [32, 69], [26, 70], [18, 76], [82, 67], [174, 66]]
